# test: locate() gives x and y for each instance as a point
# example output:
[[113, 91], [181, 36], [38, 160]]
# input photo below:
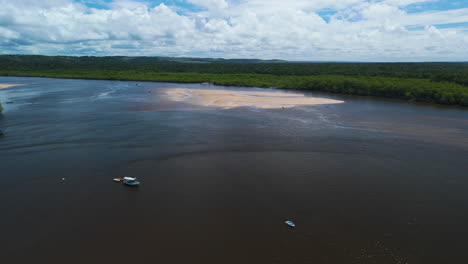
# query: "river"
[[365, 181]]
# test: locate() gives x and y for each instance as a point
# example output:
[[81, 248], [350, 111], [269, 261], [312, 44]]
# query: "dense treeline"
[[439, 72], [445, 83]]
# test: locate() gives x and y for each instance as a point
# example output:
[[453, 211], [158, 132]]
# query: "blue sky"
[[341, 30], [440, 5]]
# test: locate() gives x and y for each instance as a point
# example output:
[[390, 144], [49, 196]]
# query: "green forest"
[[443, 83]]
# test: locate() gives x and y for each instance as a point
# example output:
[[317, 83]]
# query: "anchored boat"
[[131, 181], [290, 223]]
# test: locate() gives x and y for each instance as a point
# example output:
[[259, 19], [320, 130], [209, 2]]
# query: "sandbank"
[[230, 99], [4, 86]]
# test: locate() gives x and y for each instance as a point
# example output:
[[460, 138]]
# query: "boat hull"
[[132, 184]]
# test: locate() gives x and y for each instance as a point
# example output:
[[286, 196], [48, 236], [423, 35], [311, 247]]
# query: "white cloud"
[[405, 2], [210, 4], [440, 17], [356, 30]]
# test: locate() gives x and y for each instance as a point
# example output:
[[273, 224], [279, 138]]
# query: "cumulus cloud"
[[356, 30], [210, 4]]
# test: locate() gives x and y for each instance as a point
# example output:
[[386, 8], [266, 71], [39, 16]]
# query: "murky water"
[[367, 181]]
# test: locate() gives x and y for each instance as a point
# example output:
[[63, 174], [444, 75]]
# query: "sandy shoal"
[[231, 99], [4, 86]]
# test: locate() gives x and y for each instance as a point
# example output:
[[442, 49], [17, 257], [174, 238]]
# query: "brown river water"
[[365, 181]]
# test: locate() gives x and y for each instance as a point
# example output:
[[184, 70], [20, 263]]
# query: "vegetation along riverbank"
[[442, 83]]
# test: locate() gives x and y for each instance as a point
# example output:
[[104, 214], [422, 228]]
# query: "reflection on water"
[[367, 181]]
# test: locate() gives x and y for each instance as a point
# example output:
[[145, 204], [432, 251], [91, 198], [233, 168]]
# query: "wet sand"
[[230, 99], [4, 86]]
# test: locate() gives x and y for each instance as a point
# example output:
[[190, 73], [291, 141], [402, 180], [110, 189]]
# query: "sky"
[[298, 30]]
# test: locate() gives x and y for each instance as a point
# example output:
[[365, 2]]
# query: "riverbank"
[[401, 88]]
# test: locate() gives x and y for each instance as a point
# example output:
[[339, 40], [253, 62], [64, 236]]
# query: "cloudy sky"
[[305, 30]]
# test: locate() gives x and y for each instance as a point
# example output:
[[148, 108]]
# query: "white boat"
[[290, 223], [131, 181]]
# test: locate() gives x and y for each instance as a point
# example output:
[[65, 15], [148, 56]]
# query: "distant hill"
[[31, 59]]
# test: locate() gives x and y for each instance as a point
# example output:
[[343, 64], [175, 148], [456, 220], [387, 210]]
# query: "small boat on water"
[[290, 223], [131, 181], [118, 179]]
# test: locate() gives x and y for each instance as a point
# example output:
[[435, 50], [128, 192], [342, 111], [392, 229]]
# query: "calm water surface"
[[367, 181]]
